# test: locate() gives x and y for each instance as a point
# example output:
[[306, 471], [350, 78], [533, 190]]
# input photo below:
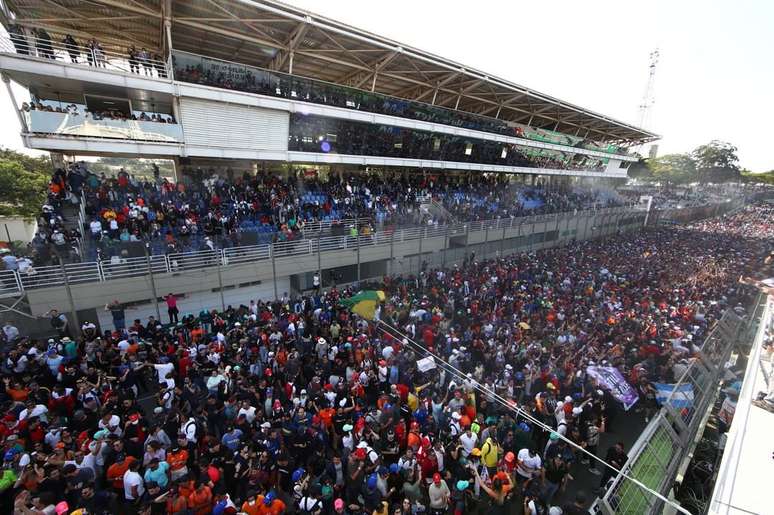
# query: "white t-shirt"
[[528, 465], [163, 369], [248, 412], [468, 443], [132, 479], [37, 411]]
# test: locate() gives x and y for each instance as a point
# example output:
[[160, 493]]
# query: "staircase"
[[436, 209], [74, 217]]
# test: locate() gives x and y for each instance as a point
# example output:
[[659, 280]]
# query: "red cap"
[[267, 372], [360, 453], [436, 478], [277, 404], [134, 417], [328, 387]]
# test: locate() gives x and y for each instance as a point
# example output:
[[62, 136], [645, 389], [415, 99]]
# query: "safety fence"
[[15, 282], [666, 441]]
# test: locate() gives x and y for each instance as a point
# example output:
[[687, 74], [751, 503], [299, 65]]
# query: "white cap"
[[568, 399], [456, 416]]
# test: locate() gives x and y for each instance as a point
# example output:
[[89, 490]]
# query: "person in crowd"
[[118, 313], [72, 47]]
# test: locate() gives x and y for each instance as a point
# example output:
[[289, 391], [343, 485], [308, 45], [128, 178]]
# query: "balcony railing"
[[87, 55], [14, 283], [85, 125]]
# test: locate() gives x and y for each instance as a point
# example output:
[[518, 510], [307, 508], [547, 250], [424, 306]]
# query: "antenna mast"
[[648, 99]]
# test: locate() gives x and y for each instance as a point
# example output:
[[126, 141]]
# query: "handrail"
[[94, 56], [120, 268]]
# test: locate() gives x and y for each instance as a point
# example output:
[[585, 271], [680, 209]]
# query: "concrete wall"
[[18, 229]]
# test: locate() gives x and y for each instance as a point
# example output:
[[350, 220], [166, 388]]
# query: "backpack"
[[200, 431], [303, 506]]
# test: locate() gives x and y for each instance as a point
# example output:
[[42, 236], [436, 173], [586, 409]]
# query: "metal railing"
[[121, 268], [87, 55], [657, 454]]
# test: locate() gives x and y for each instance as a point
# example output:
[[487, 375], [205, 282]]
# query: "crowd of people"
[[329, 135], [299, 405], [207, 211], [115, 114]]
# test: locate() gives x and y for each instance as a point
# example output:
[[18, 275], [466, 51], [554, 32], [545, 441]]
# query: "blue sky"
[[715, 78]]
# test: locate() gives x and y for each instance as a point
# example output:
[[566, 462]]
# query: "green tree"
[[761, 178], [717, 162], [23, 183], [674, 169]]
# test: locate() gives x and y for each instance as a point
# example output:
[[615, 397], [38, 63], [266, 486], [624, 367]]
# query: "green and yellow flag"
[[364, 303]]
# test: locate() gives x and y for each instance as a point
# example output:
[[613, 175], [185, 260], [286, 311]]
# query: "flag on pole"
[[682, 397], [364, 303]]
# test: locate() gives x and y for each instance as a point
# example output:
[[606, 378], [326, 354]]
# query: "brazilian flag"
[[364, 303]]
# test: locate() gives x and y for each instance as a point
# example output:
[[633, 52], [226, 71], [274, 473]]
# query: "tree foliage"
[[760, 178], [716, 162], [674, 169], [23, 183]]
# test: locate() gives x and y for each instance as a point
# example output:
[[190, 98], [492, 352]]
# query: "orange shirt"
[[201, 501], [17, 395], [327, 416], [253, 509], [177, 460], [178, 504], [116, 471], [277, 507]]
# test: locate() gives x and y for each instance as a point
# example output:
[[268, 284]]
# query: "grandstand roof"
[[273, 35]]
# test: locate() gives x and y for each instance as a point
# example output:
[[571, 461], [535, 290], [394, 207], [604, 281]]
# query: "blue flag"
[[682, 397]]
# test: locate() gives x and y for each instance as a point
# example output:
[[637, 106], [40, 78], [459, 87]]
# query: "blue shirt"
[[159, 476], [232, 439]]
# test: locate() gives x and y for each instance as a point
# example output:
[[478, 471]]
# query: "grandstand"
[[285, 128]]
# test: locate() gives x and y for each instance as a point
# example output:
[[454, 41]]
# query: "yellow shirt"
[[489, 453]]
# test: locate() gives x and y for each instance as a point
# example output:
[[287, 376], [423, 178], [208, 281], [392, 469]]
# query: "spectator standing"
[[134, 60], [72, 48], [59, 322], [118, 312], [172, 310], [19, 39]]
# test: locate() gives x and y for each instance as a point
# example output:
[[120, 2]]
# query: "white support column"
[[19, 115]]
